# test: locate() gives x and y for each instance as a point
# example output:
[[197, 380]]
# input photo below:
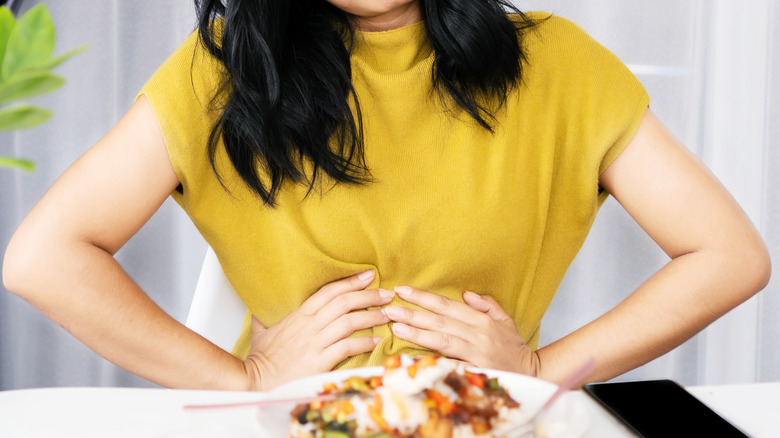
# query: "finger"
[[350, 323], [465, 362], [443, 343], [348, 302], [348, 347], [435, 303], [434, 322], [331, 290], [486, 304], [476, 302]]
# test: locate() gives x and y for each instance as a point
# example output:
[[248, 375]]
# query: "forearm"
[[82, 287], [681, 299]]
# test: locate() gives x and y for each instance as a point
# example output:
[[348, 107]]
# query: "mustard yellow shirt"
[[453, 207]]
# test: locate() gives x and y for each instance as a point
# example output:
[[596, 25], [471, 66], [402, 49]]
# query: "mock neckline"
[[395, 50]]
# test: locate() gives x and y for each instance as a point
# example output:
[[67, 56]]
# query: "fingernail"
[[471, 294], [400, 329], [403, 291], [384, 293], [363, 276], [377, 340], [393, 312]]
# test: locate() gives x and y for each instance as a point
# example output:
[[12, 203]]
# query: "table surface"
[[157, 413]]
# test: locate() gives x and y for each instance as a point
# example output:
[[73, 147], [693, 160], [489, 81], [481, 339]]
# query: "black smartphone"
[[661, 408]]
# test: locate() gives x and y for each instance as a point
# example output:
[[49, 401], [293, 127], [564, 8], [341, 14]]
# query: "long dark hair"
[[286, 95]]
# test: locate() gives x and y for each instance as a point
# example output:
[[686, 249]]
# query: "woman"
[[357, 165]]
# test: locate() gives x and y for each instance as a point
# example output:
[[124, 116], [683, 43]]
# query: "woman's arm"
[[718, 259], [61, 260]]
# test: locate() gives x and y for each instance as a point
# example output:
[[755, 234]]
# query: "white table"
[[754, 408], [157, 413]]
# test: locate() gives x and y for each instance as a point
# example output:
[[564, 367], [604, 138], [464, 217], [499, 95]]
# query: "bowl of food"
[[421, 397]]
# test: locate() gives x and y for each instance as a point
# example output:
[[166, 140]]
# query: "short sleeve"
[[180, 93], [598, 102]]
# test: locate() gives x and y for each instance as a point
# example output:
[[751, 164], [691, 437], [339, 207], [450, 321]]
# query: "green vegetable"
[[313, 416], [376, 435], [359, 384]]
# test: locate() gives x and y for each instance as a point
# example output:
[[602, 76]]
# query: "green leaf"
[[20, 163], [7, 23], [53, 62], [23, 117], [31, 41], [24, 85]]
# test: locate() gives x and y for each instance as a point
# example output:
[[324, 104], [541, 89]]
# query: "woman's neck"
[[401, 16]]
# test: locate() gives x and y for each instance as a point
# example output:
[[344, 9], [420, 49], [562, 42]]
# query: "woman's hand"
[[479, 332], [315, 338]]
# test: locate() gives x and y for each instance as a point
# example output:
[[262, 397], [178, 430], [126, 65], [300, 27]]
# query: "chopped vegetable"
[[393, 362], [476, 379], [424, 397]]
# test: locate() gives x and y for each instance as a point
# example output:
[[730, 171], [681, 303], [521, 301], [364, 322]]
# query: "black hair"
[[287, 89]]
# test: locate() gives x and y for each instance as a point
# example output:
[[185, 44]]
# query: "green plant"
[[26, 64]]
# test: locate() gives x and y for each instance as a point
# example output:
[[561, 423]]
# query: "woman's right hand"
[[315, 338]]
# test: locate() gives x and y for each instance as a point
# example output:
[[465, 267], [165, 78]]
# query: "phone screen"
[[661, 408]]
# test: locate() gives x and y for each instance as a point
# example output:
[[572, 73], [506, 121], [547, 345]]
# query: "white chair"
[[216, 312]]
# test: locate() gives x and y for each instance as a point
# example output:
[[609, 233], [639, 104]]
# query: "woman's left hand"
[[479, 332]]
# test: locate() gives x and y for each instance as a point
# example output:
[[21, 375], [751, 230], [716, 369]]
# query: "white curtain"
[[707, 65]]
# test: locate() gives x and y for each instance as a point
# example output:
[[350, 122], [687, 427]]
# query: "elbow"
[[20, 266], [763, 268], [8, 275], [755, 265], [13, 276]]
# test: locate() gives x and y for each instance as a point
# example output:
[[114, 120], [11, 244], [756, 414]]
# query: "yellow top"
[[453, 207]]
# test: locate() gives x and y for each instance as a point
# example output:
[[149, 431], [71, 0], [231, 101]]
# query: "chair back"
[[216, 312]]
